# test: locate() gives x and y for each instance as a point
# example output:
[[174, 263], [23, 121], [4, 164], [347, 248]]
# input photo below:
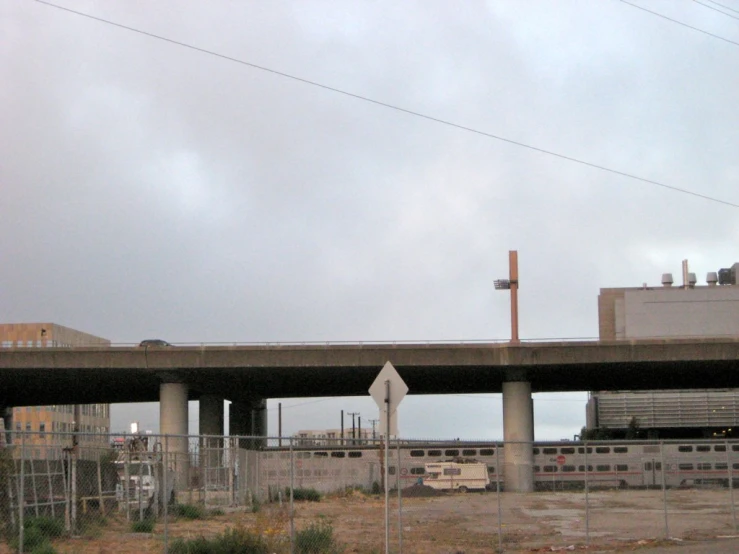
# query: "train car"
[[556, 465]]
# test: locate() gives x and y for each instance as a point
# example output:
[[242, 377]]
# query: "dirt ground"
[[467, 523]]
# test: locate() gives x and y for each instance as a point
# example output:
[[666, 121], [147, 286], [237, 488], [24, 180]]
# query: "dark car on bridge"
[[154, 342]]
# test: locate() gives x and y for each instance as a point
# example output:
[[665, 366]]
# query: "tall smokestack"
[[686, 279]]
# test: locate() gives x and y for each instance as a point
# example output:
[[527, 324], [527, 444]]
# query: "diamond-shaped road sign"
[[378, 391]]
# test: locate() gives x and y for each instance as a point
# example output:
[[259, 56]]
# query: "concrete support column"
[[259, 421], [239, 421], [173, 420], [518, 433], [249, 418], [211, 448], [211, 415]]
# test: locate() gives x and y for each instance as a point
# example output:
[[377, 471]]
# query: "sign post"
[[387, 466], [387, 390]]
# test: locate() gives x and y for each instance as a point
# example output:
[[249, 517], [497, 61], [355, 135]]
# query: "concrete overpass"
[[248, 375]]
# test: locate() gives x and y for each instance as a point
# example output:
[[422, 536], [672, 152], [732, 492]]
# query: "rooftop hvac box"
[[727, 276]]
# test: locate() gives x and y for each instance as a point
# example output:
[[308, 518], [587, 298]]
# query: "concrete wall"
[[676, 313]]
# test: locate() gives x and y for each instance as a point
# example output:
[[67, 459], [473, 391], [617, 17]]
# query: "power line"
[[716, 9], [301, 404], [723, 6], [499, 396], [670, 19], [412, 112]]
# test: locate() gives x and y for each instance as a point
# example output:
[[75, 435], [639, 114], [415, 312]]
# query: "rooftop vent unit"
[[667, 279], [711, 278], [692, 280], [726, 276]]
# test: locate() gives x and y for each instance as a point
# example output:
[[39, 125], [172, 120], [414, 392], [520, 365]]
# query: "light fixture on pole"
[[511, 284]]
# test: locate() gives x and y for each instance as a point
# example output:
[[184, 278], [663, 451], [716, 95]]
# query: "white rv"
[[456, 476]]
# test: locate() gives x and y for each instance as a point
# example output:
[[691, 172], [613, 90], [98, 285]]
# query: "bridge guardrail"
[[51, 344]]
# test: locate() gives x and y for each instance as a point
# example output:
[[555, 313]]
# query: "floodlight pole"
[[513, 279]]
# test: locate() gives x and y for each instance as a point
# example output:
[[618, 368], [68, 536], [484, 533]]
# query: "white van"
[[457, 477]]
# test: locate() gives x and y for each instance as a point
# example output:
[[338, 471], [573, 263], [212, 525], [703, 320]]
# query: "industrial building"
[[332, 437], [93, 419], [667, 311]]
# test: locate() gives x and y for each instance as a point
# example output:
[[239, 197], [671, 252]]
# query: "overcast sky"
[[148, 190]]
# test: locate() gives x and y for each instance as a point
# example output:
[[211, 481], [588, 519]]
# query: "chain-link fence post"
[[22, 495], [66, 470], [730, 483], [664, 486], [497, 497], [141, 491], [587, 497], [8, 517], [400, 501], [292, 506], [73, 483], [101, 502], [127, 483], [165, 492], [50, 495]]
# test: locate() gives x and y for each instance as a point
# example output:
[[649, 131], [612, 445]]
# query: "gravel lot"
[[468, 523]]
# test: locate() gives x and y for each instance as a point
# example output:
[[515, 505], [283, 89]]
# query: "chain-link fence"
[[200, 493]]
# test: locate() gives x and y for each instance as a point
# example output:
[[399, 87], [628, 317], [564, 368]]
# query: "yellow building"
[[48, 423]]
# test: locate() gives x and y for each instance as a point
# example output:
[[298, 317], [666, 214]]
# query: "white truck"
[[454, 476]]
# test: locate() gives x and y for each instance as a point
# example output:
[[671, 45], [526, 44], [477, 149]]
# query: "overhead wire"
[[498, 396], [716, 9], [670, 19], [723, 6], [287, 407], [412, 112]]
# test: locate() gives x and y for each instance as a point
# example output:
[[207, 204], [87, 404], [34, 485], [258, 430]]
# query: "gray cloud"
[[147, 190]]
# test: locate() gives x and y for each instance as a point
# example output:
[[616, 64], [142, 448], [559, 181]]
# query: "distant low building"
[[333, 437], [47, 423]]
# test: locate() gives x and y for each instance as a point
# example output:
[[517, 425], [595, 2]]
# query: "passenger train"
[[560, 465]]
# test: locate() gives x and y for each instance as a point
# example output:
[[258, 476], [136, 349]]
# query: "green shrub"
[[50, 527], [189, 511], [143, 526], [231, 541], [310, 495], [376, 488], [44, 548], [216, 512], [201, 545], [255, 505], [317, 538], [32, 538], [91, 525]]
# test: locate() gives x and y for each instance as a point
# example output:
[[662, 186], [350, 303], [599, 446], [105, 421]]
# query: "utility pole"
[[374, 422], [354, 433]]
